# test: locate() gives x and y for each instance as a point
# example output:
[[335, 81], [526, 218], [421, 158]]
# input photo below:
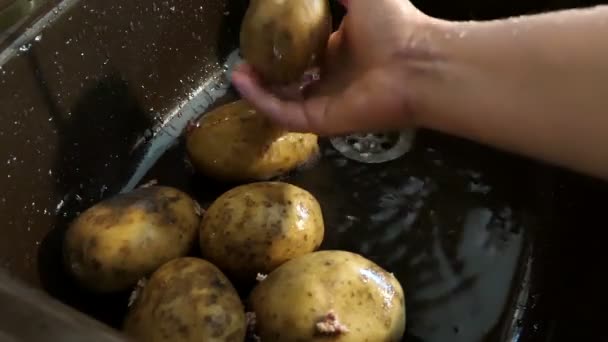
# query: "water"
[[25, 47], [439, 219], [443, 217], [172, 126], [455, 249]]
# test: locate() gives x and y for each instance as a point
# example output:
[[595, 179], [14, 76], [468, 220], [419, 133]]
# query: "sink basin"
[[95, 94]]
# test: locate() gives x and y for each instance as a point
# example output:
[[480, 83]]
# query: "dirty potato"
[[236, 143], [256, 227], [187, 300], [333, 295], [282, 39], [110, 246]]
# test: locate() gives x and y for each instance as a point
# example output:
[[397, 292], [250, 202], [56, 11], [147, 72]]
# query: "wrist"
[[423, 60]]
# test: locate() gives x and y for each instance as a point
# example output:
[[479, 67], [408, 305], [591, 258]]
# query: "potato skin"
[[298, 294], [236, 143], [254, 228], [281, 39], [187, 300], [114, 243]]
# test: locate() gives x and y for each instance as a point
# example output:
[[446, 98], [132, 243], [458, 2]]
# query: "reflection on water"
[[476, 294], [444, 231]]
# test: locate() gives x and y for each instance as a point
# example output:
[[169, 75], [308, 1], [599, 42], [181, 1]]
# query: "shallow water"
[[453, 220], [449, 218], [441, 218]]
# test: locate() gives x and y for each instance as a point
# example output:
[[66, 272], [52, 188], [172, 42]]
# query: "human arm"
[[535, 85]]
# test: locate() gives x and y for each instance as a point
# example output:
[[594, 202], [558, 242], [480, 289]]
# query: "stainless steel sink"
[[95, 95]]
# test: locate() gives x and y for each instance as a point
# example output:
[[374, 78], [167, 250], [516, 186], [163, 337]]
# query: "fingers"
[[293, 115], [367, 105]]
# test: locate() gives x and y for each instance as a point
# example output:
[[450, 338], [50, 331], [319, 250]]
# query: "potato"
[[187, 299], [236, 143], [254, 228], [110, 246], [326, 295], [282, 39]]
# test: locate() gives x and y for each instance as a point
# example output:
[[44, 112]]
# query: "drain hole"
[[374, 147]]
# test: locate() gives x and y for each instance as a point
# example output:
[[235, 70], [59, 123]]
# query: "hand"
[[362, 86]]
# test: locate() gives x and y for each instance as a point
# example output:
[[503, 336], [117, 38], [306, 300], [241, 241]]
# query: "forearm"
[[536, 86]]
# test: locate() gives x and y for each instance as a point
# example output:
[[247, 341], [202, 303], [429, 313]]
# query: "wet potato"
[[114, 243], [282, 39], [254, 228], [236, 143], [329, 295], [187, 299]]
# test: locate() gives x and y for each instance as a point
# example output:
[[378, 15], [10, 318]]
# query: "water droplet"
[[38, 38], [25, 47]]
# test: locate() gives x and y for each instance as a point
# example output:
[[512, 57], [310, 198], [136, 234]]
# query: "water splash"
[[165, 134]]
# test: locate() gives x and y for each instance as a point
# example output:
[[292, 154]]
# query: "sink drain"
[[374, 148]]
